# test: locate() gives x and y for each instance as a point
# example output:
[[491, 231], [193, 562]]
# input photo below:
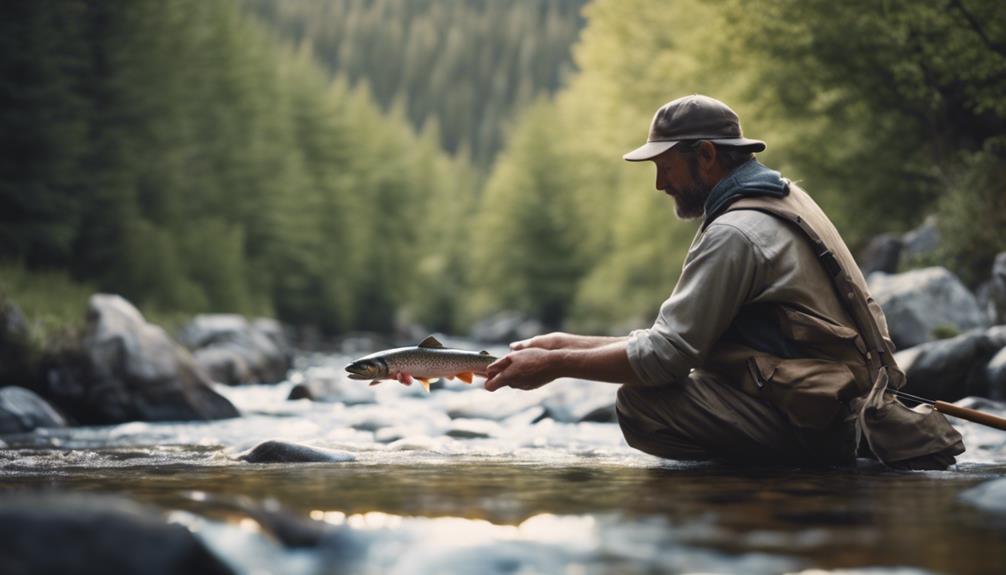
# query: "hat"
[[694, 117]]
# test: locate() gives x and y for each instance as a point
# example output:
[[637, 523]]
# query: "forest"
[[366, 164]]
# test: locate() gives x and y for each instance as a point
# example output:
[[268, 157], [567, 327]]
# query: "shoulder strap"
[[849, 293]]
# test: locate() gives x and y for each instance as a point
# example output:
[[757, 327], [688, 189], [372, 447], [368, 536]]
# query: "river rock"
[[273, 451], [505, 327], [235, 351], [125, 369], [473, 429], [995, 374], [921, 302], [921, 242], [953, 368], [882, 254], [992, 294], [300, 391], [15, 346], [21, 410], [95, 534]]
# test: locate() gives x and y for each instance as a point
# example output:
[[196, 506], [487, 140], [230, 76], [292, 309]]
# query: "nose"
[[661, 180]]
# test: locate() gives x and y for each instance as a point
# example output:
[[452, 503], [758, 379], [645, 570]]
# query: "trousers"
[[706, 417]]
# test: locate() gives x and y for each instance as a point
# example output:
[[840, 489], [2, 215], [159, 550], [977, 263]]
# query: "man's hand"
[[562, 340], [554, 340], [525, 369]]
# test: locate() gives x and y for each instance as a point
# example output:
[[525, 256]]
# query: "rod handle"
[[970, 414]]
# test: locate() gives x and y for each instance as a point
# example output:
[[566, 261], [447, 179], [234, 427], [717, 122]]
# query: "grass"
[[53, 303]]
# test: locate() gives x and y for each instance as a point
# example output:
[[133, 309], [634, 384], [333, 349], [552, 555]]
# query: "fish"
[[425, 362]]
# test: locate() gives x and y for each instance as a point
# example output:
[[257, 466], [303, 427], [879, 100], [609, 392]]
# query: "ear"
[[706, 153]]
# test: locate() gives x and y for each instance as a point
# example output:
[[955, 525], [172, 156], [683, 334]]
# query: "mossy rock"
[[945, 331]]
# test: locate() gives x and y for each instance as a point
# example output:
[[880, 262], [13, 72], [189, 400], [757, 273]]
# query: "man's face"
[[678, 176]]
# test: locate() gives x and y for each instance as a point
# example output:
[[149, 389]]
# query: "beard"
[[690, 202]]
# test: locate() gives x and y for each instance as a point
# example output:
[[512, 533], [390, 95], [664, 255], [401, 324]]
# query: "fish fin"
[[431, 341], [483, 352], [465, 377], [375, 382], [426, 384]]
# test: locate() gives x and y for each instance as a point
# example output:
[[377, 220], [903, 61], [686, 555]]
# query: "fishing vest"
[[845, 364]]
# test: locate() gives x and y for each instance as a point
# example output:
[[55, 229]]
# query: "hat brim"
[[651, 150], [747, 143], [648, 151]]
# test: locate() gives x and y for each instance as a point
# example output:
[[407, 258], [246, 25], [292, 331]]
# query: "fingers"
[[499, 365], [404, 378], [492, 384], [522, 344]]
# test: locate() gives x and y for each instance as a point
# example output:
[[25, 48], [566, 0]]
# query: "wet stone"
[[22, 410], [286, 452], [300, 391], [473, 429], [90, 533]]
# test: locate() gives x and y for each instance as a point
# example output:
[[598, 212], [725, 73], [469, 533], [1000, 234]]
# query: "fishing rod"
[[957, 411]]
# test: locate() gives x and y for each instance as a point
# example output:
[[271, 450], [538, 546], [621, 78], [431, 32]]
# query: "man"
[[753, 357]]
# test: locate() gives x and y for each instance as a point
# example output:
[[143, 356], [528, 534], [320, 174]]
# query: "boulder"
[[995, 374], [953, 368], [882, 254], [505, 327], [287, 452], [921, 242], [920, 303], [21, 410], [993, 296], [235, 351], [90, 533], [126, 369], [15, 346]]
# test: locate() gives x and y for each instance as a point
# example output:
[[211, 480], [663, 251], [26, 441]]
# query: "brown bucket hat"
[[694, 117]]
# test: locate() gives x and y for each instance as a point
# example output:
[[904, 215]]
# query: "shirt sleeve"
[[721, 272]]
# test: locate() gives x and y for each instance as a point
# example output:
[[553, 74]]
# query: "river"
[[463, 481]]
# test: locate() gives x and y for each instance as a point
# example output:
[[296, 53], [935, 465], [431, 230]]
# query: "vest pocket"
[[808, 329], [812, 393]]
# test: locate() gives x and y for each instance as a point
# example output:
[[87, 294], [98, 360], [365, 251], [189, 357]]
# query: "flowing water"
[[464, 481]]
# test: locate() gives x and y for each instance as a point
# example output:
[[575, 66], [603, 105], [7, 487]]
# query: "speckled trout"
[[427, 361]]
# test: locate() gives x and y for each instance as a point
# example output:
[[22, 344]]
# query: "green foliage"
[[52, 301], [196, 164], [469, 66], [179, 154], [42, 129], [876, 99], [945, 331], [528, 254], [972, 214], [880, 110]]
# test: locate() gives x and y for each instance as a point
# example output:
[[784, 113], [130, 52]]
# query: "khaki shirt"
[[743, 257]]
